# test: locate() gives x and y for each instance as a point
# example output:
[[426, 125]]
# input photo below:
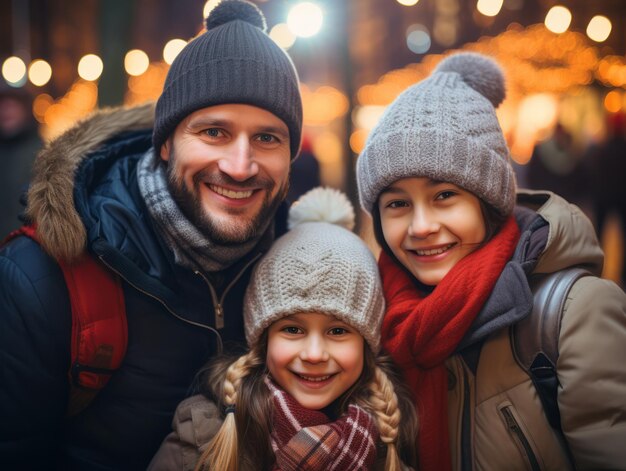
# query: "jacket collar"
[[51, 193]]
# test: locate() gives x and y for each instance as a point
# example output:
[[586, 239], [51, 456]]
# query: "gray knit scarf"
[[192, 248]]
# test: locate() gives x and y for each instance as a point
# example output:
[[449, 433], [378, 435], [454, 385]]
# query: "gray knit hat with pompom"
[[444, 128], [234, 61], [320, 266]]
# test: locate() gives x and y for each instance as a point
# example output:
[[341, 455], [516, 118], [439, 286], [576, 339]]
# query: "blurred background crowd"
[[565, 66]]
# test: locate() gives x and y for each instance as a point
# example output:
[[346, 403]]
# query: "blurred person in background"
[[607, 165], [19, 143], [555, 166], [305, 172]]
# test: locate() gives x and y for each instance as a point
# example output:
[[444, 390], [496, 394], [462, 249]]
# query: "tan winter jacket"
[[495, 416]]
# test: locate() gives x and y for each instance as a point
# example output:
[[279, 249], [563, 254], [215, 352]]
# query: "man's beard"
[[246, 229]]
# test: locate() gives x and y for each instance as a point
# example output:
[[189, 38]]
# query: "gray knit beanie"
[[444, 128], [234, 61], [317, 266]]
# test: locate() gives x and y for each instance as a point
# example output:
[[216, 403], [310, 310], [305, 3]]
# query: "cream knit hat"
[[318, 266], [444, 128]]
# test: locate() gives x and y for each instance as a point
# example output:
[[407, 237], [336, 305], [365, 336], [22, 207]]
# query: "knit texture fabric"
[[316, 267], [234, 61], [192, 249], [422, 332], [306, 440], [444, 128]]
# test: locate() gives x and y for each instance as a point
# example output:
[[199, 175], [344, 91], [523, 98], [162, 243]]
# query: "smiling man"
[[178, 203]]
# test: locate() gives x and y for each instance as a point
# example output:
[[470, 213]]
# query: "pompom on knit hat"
[[444, 128], [233, 61], [320, 266]]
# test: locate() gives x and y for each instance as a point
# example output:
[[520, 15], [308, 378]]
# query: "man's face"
[[228, 170]]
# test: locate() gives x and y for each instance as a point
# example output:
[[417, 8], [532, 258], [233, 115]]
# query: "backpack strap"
[[99, 329], [535, 339]]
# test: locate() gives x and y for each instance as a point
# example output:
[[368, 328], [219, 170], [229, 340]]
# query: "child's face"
[[429, 226], [314, 357]]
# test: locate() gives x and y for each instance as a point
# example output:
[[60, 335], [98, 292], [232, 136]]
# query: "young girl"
[[312, 393], [456, 260]]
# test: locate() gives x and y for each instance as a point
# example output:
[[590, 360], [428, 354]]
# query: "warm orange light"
[[357, 140], [613, 101]]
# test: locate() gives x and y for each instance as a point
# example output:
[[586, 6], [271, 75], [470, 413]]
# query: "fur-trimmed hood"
[[51, 207]]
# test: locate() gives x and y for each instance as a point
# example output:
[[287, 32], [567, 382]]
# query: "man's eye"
[[267, 138], [213, 132]]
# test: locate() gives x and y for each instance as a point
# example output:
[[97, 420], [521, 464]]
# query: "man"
[[181, 213]]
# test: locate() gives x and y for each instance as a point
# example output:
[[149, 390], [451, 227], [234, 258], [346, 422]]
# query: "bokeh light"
[[136, 62], [39, 72], [613, 101], [208, 7], [489, 7], [418, 39], [282, 35], [599, 28], [305, 19], [172, 49], [14, 71], [558, 19], [90, 67]]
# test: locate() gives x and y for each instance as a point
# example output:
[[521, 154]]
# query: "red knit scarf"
[[421, 332], [306, 440]]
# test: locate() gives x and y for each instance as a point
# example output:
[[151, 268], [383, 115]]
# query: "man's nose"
[[238, 160]]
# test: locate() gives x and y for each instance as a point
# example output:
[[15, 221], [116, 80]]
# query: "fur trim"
[[51, 207]]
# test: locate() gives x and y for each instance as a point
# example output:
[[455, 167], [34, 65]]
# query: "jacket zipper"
[[219, 303], [517, 432], [150, 295]]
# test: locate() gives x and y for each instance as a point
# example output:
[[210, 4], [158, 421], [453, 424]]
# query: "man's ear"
[[165, 150]]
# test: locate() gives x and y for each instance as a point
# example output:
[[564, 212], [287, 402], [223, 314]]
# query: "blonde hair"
[[222, 451], [378, 390], [386, 397]]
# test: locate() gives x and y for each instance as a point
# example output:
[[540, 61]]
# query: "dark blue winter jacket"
[[170, 310]]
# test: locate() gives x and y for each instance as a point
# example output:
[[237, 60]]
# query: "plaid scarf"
[[192, 249], [305, 440], [421, 332]]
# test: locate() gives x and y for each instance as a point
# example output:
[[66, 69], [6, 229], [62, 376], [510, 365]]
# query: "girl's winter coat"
[[195, 423], [495, 417]]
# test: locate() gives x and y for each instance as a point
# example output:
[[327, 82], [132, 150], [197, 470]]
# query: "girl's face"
[[429, 225], [314, 357]]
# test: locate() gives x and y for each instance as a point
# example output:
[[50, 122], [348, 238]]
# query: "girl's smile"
[[314, 357], [430, 225]]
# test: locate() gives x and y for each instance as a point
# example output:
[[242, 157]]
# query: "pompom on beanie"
[[318, 266], [234, 61], [444, 128]]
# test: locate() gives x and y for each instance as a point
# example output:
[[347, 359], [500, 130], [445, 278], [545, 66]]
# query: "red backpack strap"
[[99, 328]]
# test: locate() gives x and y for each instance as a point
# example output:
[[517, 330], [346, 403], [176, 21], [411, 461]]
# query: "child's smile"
[[314, 357]]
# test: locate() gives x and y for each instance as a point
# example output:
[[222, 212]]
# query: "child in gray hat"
[[457, 261], [313, 392]]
